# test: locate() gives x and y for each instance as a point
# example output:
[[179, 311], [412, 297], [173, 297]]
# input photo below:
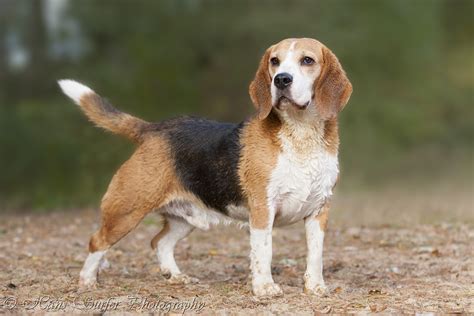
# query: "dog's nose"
[[283, 80]]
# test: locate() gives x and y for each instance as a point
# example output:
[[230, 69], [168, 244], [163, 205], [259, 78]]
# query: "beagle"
[[275, 168]]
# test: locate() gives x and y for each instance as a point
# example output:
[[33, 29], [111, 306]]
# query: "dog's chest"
[[301, 182]]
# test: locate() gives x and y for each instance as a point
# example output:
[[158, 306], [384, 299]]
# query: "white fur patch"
[[178, 229], [261, 257], [74, 89], [88, 275], [302, 181], [314, 269], [203, 218], [197, 216]]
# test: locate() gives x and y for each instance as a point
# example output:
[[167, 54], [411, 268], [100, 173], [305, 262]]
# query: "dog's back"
[[206, 156]]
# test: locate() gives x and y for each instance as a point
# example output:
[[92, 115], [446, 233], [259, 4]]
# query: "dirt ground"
[[367, 269]]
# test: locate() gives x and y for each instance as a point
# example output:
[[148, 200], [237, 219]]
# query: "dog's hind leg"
[[115, 225], [141, 185], [164, 242], [123, 207]]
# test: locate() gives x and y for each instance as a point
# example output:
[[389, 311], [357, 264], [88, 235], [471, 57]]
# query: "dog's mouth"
[[286, 101]]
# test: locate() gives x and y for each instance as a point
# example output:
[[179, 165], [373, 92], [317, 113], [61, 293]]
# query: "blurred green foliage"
[[411, 64]]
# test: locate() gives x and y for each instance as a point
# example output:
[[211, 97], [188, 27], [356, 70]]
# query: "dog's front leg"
[[315, 225], [261, 225]]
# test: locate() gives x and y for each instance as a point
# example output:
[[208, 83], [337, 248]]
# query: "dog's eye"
[[275, 61], [307, 61]]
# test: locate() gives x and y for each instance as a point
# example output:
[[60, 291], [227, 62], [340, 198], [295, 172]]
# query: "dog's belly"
[[203, 217], [300, 185]]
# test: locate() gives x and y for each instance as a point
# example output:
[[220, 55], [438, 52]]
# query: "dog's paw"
[[267, 290], [182, 279], [317, 290]]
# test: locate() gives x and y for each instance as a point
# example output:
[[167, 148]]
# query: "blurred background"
[[406, 134]]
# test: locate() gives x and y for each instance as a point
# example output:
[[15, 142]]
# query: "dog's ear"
[[259, 88], [332, 89]]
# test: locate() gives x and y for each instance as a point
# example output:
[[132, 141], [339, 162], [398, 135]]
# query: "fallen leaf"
[[326, 310], [375, 292], [337, 290]]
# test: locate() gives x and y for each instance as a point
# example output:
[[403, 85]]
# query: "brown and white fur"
[[276, 168]]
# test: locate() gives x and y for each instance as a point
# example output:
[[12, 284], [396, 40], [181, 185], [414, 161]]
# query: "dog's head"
[[295, 75]]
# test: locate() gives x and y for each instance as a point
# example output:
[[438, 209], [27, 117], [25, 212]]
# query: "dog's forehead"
[[307, 46]]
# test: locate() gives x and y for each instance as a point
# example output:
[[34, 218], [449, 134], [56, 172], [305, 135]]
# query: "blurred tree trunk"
[[6, 8], [37, 41], [3, 60]]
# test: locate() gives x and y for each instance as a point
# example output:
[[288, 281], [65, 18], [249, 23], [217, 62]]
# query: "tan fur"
[[259, 88], [304, 140], [141, 185], [104, 115], [161, 234], [146, 182], [258, 159], [333, 88], [331, 136], [323, 217]]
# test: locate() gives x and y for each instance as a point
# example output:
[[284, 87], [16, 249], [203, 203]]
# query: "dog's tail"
[[102, 113]]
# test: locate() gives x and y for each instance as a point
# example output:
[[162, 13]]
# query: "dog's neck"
[[302, 129], [304, 135]]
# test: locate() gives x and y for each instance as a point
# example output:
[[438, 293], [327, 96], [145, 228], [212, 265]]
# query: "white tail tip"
[[74, 89]]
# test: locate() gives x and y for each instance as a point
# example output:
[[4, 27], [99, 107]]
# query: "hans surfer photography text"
[[91, 304]]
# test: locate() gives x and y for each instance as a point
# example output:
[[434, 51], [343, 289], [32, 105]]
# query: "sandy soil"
[[379, 268]]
